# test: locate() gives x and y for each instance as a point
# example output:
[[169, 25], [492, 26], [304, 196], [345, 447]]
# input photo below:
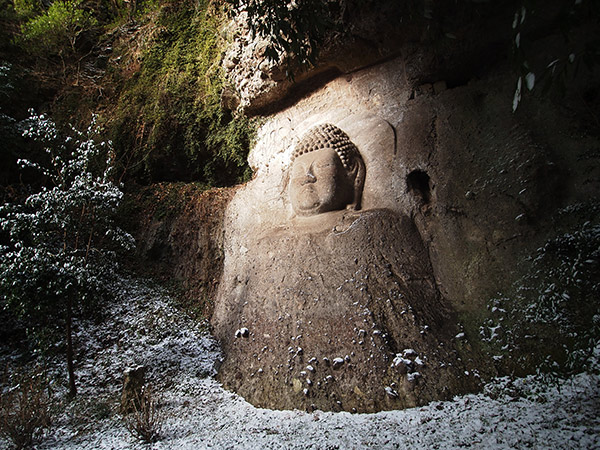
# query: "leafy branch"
[[565, 64]]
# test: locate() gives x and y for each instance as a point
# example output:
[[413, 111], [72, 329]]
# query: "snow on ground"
[[144, 327]]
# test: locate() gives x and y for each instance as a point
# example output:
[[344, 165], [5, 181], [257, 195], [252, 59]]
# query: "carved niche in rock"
[[341, 307]]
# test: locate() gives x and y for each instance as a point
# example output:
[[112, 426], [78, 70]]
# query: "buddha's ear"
[[358, 172], [285, 180]]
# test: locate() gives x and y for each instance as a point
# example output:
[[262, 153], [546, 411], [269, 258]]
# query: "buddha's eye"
[[325, 165], [298, 171]]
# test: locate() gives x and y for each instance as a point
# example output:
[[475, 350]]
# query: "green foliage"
[[566, 62], [163, 112], [28, 8], [59, 246], [120, 11], [7, 18], [170, 124], [57, 30]]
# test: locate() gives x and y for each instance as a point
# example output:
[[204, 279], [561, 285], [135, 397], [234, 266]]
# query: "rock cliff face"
[[458, 191], [179, 231]]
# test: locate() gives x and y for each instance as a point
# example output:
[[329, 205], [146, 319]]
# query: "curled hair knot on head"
[[328, 136]]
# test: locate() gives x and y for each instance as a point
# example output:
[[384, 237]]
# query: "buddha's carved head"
[[327, 172]]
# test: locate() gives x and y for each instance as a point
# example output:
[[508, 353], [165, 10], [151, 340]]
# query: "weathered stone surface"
[[355, 289], [180, 238], [327, 173], [133, 383], [376, 32], [458, 191], [479, 183]]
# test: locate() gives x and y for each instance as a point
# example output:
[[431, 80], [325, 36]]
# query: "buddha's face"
[[319, 183]]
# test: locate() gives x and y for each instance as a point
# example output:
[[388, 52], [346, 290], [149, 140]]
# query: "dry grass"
[[146, 421], [25, 410]]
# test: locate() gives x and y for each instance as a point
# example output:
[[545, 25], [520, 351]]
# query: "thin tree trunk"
[[78, 229], [89, 243], [70, 353]]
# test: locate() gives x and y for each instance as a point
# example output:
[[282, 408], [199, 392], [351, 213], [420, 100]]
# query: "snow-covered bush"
[[59, 246], [552, 319]]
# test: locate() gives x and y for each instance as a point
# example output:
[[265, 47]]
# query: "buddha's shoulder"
[[339, 221]]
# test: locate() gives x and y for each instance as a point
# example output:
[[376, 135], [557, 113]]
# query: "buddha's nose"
[[309, 176]]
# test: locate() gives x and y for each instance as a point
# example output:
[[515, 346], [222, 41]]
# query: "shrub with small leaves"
[[62, 240], [59, 247], [55, 31]]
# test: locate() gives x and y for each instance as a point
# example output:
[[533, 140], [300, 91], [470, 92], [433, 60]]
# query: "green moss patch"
[[169, 124]]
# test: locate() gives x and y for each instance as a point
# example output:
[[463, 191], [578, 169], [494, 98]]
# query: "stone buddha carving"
[[335, 304], [327, 172]]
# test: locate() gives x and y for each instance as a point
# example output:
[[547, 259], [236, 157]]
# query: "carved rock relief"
[[324, 305]]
